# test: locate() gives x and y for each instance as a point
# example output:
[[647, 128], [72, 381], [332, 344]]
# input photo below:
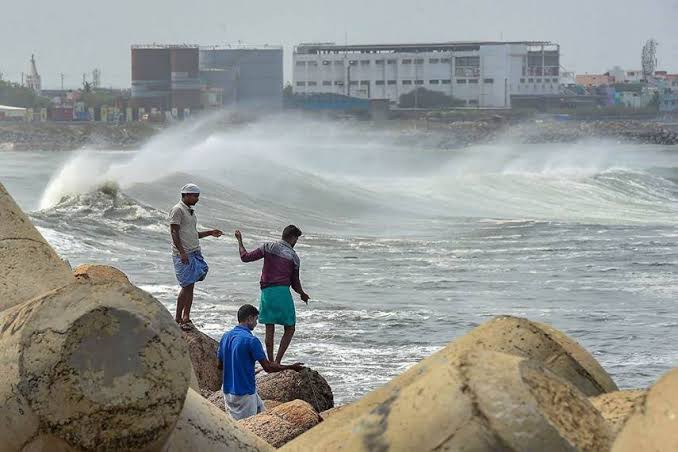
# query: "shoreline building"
[[248, 76], [481, 74]]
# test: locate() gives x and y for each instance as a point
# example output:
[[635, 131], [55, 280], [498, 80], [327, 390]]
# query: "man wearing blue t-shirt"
[[238, 351]]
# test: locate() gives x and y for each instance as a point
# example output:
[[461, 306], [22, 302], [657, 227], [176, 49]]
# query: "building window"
[[473, 102], [339, 63], [364, 82], [327, 83], [461, 81], [339, 83], [313, 63], [522, 80], [352, 62], [301, 83], [554, 80], [364, 62], [473, 81], [419, 61], [488, 81], [391, 82], [434, 82], [326, 62], [312, 84], [446, 81], [530, 80], [391, 61], [407, 61], [538, 80], [354, 83], [434, 61], [379, 82], [379, 62], [445, 60], [418, 82], [301, 63], [467, 66], [407, 82]]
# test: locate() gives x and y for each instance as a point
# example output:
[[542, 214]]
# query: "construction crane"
[[649, 59]]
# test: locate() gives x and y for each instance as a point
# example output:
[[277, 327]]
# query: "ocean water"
[[405, 246]]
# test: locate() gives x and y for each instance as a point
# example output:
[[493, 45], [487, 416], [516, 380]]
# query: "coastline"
[[441, 133]]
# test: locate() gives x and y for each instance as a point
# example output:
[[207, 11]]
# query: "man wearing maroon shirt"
[[280, 272]]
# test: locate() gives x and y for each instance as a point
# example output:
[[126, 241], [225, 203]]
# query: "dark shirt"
[[281, 264]]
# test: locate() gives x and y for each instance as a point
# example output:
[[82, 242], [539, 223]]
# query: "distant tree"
[[426, 98], [16, 95]]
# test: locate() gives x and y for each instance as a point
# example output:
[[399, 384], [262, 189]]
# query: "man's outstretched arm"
[[211, 232], [244, 255], [272, 366]]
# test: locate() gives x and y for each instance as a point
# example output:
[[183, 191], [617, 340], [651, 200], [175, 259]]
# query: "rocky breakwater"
[[93, 363], [69, 136], [509, 384]]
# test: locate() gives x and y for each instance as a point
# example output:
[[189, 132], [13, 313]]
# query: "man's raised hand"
[[238, 235], [216, 233]]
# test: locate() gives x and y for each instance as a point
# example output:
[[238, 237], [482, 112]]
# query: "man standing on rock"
[[189, 265], [238, 351], [280, 271]]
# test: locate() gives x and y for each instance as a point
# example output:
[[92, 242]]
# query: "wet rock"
[[202, 427], [616, 407], [217, 399], [96, 272], [654, 424], [28, 265], [203, 352], [307, 385], [478, 400], [96, 365], [283, 423]]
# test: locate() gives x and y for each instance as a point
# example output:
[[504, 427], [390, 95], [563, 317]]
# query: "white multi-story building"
[[482, 74]]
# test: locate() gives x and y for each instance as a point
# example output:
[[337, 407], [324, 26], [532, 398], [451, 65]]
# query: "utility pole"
[[62, 81]]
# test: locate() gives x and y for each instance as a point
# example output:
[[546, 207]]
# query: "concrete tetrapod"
[[202, 427], [654, 425], [28, 265], [542, 343], [617, 407], [91, 366], [479, 401]]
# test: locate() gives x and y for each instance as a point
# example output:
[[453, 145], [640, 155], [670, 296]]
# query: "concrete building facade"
[[481, 74], [247, 76]]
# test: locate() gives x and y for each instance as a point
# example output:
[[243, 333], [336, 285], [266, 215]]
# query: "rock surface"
[[98, 365], [307, 385], [542, 343], [479, 400], [617, 407], [95, 272], [283, 423], [202, 427], [654, 425], [28, 265], [203, 352]]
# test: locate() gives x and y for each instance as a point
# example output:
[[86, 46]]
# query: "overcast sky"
[[75, 36]]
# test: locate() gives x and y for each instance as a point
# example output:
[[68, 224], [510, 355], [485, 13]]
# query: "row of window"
[[538, 80], [377, 62], [487, 81]]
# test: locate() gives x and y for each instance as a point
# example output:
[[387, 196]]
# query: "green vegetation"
[[15, 95]]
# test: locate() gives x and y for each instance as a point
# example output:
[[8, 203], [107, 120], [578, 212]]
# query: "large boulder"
[[202, 427], [283, 423], [91, 365], [478, 400], [553, 349], [95, 272], [617, 407], [307, 385], [654, 424], [203, 352], [28, 265]]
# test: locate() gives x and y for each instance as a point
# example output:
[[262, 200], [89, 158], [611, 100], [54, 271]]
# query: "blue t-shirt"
[[239, 350]]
